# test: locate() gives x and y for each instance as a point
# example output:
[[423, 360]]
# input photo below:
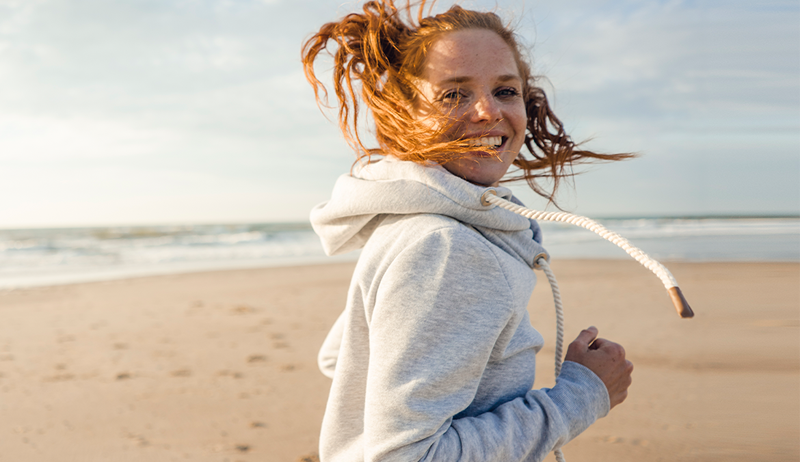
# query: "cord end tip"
[[681, 305]]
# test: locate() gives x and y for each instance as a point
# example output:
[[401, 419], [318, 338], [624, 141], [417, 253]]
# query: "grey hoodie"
[[433, 357]]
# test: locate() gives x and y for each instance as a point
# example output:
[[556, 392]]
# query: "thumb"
[[586, 337]]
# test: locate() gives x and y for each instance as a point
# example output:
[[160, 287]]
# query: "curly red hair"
[[381, 52]]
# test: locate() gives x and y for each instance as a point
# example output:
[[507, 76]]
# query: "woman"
[[433, 357]]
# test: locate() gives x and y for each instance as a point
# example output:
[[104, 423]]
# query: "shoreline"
[[222, 364], [58, 256], [154, 272]]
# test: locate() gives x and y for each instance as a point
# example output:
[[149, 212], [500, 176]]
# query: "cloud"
[[212, 93], [143, 78], [682, 63]]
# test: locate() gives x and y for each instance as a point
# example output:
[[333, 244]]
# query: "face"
[[472, 76]]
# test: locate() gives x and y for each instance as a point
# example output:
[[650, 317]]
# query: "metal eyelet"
[[542, 255], [484, 202]]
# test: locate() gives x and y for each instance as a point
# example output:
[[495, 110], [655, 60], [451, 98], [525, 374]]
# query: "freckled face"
[[472, 76]]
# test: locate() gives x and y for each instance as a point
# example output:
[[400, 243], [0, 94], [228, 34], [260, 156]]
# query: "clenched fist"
[[606, 359]]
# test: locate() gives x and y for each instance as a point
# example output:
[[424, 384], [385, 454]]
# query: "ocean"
[[37, 257]]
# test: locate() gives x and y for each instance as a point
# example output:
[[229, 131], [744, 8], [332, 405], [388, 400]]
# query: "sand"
[[221, 366]]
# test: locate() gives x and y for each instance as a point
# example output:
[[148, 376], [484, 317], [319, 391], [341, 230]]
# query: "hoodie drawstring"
[[490, 197]]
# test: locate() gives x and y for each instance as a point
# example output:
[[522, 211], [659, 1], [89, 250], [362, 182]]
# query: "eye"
[[452, 96], [507, 92]]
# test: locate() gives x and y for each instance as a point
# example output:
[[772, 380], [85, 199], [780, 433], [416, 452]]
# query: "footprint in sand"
[[613, 439], [278, 341], [140, 440], [181, 373], [59, 378], [256, 359], [242, 309], [225, 373]]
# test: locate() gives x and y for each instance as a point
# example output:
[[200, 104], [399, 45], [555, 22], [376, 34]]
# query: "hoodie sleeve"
[[439, 310], [329, 352]]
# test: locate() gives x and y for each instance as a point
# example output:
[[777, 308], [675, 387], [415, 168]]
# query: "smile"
[[493, 142]]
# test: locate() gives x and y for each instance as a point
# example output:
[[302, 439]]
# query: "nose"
[[486, 109]]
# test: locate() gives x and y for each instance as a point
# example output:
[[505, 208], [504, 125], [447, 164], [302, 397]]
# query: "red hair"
[[380, 54]]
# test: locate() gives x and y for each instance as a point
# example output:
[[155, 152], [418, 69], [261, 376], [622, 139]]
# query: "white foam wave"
[[662, 228], [51, 256]]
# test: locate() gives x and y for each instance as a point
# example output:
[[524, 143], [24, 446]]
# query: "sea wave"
[[65, 255], [653, 228]]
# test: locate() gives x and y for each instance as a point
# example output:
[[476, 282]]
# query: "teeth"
[[493, 141]]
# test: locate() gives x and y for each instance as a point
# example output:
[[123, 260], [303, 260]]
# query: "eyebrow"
[[502, 78]]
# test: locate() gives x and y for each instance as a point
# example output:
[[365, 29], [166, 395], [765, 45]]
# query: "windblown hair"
[[380, 54]]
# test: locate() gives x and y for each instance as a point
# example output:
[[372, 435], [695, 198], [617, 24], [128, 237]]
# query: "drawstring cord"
[[490, 197], [542, 264]]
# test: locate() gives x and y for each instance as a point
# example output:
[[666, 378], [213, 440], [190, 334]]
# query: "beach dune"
[[221, 366]]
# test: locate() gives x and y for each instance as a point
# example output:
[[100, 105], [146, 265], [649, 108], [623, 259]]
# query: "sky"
[[196, 111]]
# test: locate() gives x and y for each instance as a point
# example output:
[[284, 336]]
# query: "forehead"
[[472, 53]]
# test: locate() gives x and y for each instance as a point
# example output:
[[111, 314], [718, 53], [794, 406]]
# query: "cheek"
[[453, 119], [517, 118], [455, 129], [520, 120]]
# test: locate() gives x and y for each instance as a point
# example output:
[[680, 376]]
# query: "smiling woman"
[[472, 76], [389, 65], [433, 357]]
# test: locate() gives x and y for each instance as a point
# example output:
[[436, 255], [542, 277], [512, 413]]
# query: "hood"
[[391, 186]]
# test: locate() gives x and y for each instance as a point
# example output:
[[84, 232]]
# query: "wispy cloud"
[[212, 93]]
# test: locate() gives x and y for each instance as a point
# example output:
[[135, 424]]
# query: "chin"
[[478, 180], [480, 172]]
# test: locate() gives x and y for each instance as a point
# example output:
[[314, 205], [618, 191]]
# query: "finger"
[[587, 336], [599, 343], [612, 348]]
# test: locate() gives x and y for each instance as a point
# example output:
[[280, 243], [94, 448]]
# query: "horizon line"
[[307, 223]]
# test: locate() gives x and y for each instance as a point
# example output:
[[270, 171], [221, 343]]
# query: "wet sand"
[[222, 365]]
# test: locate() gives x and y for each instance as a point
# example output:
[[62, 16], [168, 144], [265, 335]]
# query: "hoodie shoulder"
[[424, 234], [410, 228]]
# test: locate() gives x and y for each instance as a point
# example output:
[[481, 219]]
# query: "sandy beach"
[[221, 366]]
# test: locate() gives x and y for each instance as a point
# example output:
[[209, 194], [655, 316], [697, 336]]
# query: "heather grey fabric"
[[433, 357]]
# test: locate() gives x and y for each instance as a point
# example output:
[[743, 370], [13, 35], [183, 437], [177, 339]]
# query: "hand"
[[606, 359]]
